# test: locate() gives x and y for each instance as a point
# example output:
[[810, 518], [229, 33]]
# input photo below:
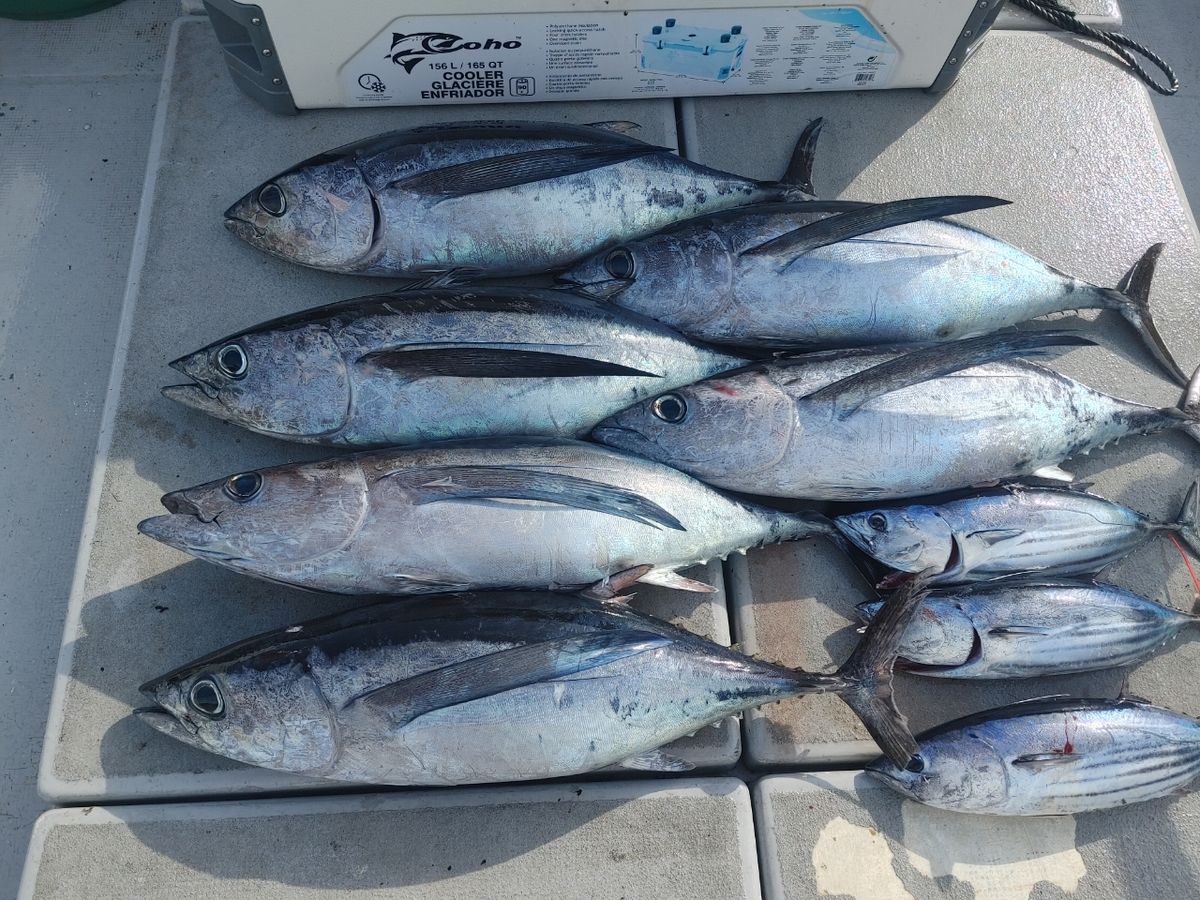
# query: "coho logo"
[[409, 49]]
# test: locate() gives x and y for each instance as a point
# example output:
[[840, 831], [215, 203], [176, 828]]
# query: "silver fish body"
[[525, 514], [857, 425], [501, 198], [480, 688], [929, 280], [440, 364], [1050, 758], [1030, 630], [1050, 532]]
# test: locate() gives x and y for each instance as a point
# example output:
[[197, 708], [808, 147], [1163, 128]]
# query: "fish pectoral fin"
[[671, 579], [1053, 473], [616, 127], [494, 362], [1017, 630], [936, 361], [508, 170], [656, 761], [433, 484], [609, 588], [1046, 760], [832, 230], [446, 278], [483, 676], [992, 536]]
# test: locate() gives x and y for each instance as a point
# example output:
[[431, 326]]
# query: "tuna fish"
[[498, 687], [523, 514], [1048, 531], [440, 364], [866, 424], [832, 274], [1031, 629], [496, 198], [1051, 757]]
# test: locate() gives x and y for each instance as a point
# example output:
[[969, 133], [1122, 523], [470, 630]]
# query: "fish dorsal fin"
[[616, 127], [844, 226], [508, 170], [657, 761], [1040, 761], [800, 167], [483, 676], [434, 484], [494, 362], [928, 363]]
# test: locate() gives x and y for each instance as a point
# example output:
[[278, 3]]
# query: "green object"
[[51, 9]]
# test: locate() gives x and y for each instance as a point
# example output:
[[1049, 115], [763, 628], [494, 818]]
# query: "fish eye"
[[916, 764], [231, 360], [670, 408], [619, 264], [244, 487], [205, 697], [877, 521], [272, 200]]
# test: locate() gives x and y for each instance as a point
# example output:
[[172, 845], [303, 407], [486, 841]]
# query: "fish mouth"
[[242, 228], [889, 779], [169, 724], [173, 529], [185, 366], [625, 439], [605, 289], [197, 396], [178, 503]]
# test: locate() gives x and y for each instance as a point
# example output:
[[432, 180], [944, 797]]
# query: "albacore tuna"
[[497, 687], [440, 364], [1051, 757], [1050, 532], [451, 517], [497, 198], [858, 425], [1019, 629], [826, 274]]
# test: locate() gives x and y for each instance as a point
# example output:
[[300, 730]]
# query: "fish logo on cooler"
[[409, 49]]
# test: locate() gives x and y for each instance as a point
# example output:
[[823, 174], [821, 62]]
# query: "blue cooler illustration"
[[706, 53]]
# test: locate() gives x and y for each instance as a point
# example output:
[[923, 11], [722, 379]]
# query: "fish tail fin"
[[1189, 518], [1131, 298], [797, 179], [1187, 412], [795, 526], [866, 677]]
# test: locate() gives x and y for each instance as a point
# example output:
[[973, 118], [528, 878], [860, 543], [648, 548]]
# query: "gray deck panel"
[[691, 837], [1093, 185], [1098, 13], [140, 608], [846, 834]]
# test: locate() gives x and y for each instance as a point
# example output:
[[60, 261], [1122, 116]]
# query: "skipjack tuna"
[[1051, 757], [493, 687], [521, 514], [1050, 532], [834, 274], [495, 198], [1018, 629], [440, 364], [866, 424]]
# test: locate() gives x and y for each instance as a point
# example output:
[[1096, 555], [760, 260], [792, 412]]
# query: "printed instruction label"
[[606, 55]]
